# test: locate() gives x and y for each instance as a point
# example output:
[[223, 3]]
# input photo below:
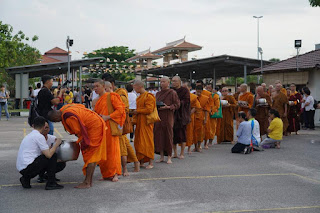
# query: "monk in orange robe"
[[245, 99], [262, 109], [208, 132], [283, 90], [113, 166], [126, 150], [90, 129], [204, 116], [226, 126], [143, 141], [280, 103], [195, 112], [214, 121]]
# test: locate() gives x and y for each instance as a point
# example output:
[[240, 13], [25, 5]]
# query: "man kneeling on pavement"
[[248, 133], [35, 157]]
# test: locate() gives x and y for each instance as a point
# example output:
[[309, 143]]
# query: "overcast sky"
[[220, 27]]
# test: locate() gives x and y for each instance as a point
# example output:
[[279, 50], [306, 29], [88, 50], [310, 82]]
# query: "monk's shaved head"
[[224, 91], [164, 83], [277, 82], [260, 90], [138, 83], [177, 78], [100, 81], [138, 86], [108, 86], [165, 78], [243, 87], [176, 82], [187, 85], [55, 115], [278, 87]]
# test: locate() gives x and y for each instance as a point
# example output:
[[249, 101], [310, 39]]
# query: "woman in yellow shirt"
[[275, 131]]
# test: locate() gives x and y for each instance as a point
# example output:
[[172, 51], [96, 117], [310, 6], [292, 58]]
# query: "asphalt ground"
[[285, 180]]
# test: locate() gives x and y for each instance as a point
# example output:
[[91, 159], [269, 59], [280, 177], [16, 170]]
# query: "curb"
[[20, 114]]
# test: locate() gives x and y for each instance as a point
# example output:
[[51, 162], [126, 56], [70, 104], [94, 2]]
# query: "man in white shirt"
[[132, 97], [51, 140], [36, 91], [34, 156], [255, 127], [94, 95], [243, 134], [248, 132]]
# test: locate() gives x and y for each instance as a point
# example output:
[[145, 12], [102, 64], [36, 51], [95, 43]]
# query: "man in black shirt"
[[87, 94], [46, 100]]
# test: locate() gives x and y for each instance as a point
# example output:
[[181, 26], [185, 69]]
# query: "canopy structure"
[[212, 67], [56, 68], [23, 73]]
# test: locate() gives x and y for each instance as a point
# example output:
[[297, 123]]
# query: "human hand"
[[134, 112], [105, 117], [58, 141]]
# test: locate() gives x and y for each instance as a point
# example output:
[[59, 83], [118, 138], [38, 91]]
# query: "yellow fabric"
[[276, 127], [68, 98], [126, 149], [143, 140]]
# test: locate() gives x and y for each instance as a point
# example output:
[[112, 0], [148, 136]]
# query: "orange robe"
[[248, 97], [214, 121], [125, 146], [113, 165], [226, 126], [90, 129], [195, 104], [205, 106], [284, 91], [208, 133], [278, 104], [143, 140], [263, 113]]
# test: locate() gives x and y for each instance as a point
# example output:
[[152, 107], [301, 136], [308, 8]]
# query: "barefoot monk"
[[110, 107], [90, 129]]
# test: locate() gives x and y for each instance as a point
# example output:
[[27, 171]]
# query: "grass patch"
[[18, 110]]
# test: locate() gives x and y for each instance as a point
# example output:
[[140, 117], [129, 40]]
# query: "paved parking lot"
[[285, 180]]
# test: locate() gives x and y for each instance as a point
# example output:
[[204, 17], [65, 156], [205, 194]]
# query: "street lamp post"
[[258, 46], [69, 44]]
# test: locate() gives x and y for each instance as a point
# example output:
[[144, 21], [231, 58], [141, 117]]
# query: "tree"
[[314, 3], [14, 51], [274, 60], [116, 63]]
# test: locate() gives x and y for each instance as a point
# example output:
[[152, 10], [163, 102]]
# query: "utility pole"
[[258, 46], [69, 44]]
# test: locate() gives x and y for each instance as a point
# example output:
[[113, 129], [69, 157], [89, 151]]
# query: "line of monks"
[[187, 118]]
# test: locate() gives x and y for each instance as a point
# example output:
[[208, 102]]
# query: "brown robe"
[[278, 104], [182, 116], [163, 130], [226, 126], [263, 113]]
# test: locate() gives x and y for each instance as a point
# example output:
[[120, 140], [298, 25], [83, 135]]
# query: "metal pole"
[[21, 91], [72, 80], [214, 78], [297, 59], [191, 77], [80, 84], [258, 40], [245, 73], [68, 74]]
